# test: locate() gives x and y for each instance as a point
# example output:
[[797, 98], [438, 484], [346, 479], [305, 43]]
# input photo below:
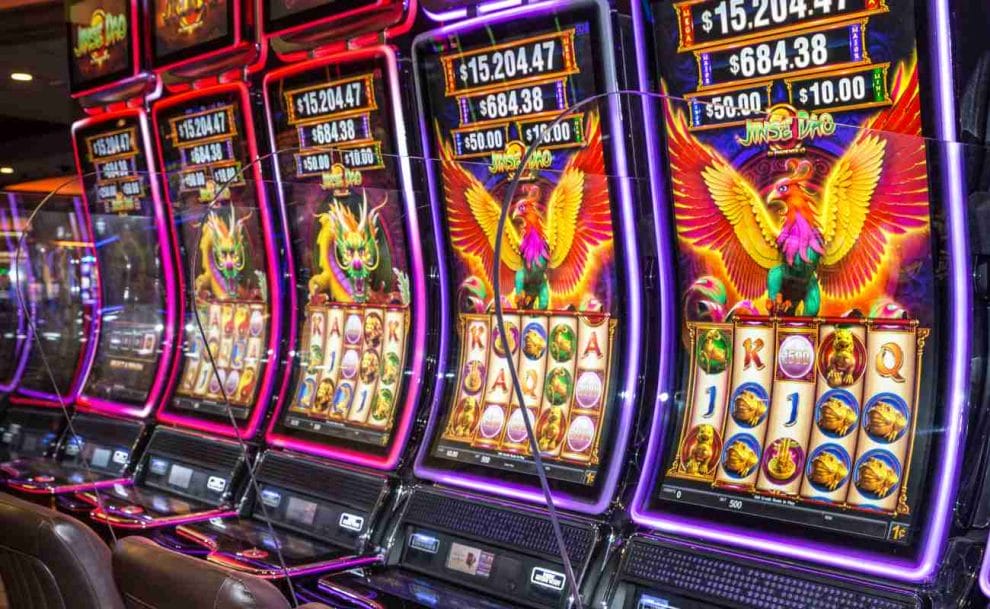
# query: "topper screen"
[[205, 152], [346, 220], [802, 216], [486, 102], [186, 28], [113, 166], [100, 42]]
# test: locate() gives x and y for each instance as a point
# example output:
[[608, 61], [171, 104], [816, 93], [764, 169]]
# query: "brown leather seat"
[[152, 577], [51, 561]]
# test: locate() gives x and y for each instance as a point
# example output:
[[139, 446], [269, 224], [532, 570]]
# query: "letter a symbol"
[[593, 347], [500, 383]]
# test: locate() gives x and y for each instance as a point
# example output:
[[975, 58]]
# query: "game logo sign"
[[118, 193], [347, 219], [214, 197], [100, 42], [802, 216], [488, 101], [184, 28]]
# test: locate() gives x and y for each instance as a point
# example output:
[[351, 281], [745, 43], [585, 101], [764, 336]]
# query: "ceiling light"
[[21, 76], [6, 170]]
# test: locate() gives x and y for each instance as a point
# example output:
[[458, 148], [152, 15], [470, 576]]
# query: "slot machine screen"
[[60, 292], [487, 93], [216, 207], [181, 29], [345, 208], [118, 195], [806, 261], [100, 42]]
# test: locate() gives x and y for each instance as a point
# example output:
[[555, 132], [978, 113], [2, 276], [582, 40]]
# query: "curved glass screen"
[[806, 266], [488, 92], [346, 218], [223, 251], [13, 325], [61, 284], [129, 256]]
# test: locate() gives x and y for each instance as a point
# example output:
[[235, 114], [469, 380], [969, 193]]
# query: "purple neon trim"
[[65, 489], [21, 345], [326, 567], [923, 567], [170, 296], [275, 303], [86, 357], [119, 522], [626, 396], [417, 347]]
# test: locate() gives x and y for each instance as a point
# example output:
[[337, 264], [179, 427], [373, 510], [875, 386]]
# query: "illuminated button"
[[253, 553], [43, 479], [132, 510]]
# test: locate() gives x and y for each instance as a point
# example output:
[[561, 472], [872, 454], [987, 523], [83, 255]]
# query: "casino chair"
[[152, 577], [51, 561]]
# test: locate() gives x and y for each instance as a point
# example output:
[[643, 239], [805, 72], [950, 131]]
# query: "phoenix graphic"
[[556, 240], [798, 240]]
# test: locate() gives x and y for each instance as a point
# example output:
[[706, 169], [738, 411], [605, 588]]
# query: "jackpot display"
[[118, 195], [215, 202], [100, 42], [61, 284], [801, 207], [187, 28], [345, 211], [490, 92]]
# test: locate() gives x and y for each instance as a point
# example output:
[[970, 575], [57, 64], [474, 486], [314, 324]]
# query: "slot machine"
[[229, 278], [136, 320], [481, 535], [358, 340], [14, 337], [806, 450], [56, 280]]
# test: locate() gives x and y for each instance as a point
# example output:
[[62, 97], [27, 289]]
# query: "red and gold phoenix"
[[553, 247], [801, 239]]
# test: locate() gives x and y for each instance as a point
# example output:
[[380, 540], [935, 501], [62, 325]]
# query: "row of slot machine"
[[740, 304]]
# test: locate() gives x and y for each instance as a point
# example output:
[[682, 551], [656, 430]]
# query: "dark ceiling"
[[35, 116]]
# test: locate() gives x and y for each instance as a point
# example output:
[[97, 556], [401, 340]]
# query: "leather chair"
[[152, 577], [51, 561]]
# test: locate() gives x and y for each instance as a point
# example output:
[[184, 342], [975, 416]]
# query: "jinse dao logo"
[[96, 39]]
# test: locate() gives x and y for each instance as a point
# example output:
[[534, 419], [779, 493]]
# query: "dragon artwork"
[[802, 239], [555, 243], [223, 255], [348, 252]]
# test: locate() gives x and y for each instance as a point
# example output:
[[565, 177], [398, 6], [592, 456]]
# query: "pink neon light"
[[418, 343], [91, 403], [274, 287]]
